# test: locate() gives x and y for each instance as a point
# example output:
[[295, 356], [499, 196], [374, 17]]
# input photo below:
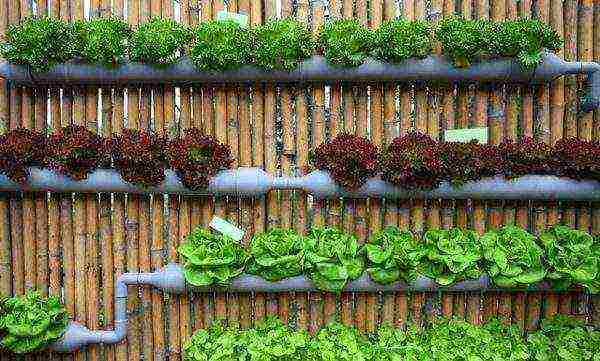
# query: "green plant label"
[[467, 135], [241, 19], [222, 226]]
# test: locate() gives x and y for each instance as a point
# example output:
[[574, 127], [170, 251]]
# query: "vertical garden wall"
[[75, 245]]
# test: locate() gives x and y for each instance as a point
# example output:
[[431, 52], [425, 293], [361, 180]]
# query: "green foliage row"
[[30, 322], [511, 256], [277, 44], [559, 339]]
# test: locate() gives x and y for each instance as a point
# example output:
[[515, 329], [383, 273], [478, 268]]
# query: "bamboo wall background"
[[75, 245]]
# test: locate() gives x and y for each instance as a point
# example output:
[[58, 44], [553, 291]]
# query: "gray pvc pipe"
[[315, 69], [256, 182]]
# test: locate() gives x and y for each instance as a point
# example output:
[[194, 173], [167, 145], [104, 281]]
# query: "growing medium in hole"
[[220, 45], [139, 157], [349, 159], [346, 42], [158, 40], [76, 151], [197, 157], [19, 149], [412, 161], [281, 44]]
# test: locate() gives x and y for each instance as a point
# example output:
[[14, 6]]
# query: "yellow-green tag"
[[467, 135], [222, 226], [241, 19]]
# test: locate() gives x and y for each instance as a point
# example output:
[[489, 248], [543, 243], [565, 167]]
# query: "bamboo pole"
[[585, 47]]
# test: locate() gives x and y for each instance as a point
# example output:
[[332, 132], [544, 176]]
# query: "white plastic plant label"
[[222, 226], [241, 19], [467, 135]]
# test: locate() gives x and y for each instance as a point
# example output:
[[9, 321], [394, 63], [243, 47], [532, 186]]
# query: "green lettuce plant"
[[30, 322], [398, 40], [346, 42], [220, 45], [452, 255], [272, 340], [396, 344], [40, 43], [338, 342], [281, 44], [524, 39], [211, 259], [513, 257], [463, 40], [102, 40], [276, 254], [158, 40], [572, 256], [394, 254], [332, 258], [564, 338], [217, 343]]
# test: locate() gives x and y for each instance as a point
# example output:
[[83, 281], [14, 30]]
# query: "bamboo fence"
[[75, 245]]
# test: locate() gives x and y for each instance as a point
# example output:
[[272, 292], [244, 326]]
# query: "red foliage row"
[[416, 161], [140, 157]]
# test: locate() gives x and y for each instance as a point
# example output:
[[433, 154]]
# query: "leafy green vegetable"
[[102, 40], [157, 41], [460, 340], [524, 39], [211, 259], [453, 255], [276, 254], [218, 343], [31, 322], [271, 340], [395, 344], [513, 257], [332, 258], [337, 342], [281, 44], [346, 42], [398, 40], [573, 257], [564, 339], [463, 40], [394, 254], [41, 43], [221, 45]]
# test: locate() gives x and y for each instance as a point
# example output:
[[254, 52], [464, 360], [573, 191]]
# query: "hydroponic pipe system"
[[254, 182], [315, 69]]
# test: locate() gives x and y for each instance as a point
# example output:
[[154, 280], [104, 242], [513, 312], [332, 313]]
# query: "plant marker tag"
[[466, 135], [222, 226], [241, 19]]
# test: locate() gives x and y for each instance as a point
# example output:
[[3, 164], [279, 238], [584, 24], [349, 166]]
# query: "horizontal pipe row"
[[316, 69], [252, 182]]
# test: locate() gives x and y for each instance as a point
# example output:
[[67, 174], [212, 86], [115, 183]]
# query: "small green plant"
[[276, 254], [346, 42], [210, 259], [281, 44], [30, 322], [158, 40], [221, 45], [338, 342], [564, 338], [524, 39], [102, 40], [513, 257], [332, 258], [40, 43], [463, 40], [394, 254], [218, 342], [572, 256], [398, 40], [453, 255], [272, 340]]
